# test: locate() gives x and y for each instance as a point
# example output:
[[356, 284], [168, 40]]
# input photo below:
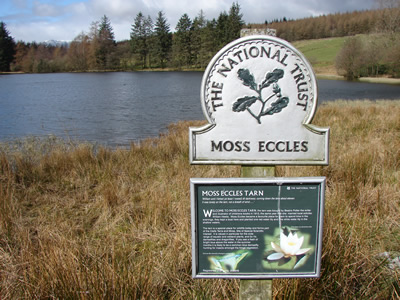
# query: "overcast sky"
[[41, 20]]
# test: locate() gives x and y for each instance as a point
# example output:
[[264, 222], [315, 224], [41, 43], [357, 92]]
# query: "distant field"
[[321, 53]]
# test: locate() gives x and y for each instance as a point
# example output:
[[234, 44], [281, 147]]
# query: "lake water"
[[115, 109]]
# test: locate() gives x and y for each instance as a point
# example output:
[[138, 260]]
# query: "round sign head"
[[258, 91]]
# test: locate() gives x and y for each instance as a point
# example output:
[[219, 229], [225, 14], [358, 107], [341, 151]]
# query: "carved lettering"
[[252, 52], [223, 70], [228, 146], [277, 56], [283, 146], [302, 87], [238, 55], [216, 92], [267, 53], [232, 63]]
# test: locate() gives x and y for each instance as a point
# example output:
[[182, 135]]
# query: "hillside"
[[372, 50], [321, 53]]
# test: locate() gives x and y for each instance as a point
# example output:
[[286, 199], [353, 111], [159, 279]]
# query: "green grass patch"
[[321, 52]]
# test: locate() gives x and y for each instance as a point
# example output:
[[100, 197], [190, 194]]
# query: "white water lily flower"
[[290, 245]]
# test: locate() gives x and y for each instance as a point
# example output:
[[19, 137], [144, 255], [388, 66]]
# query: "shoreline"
[[328, 76], [384, 80]]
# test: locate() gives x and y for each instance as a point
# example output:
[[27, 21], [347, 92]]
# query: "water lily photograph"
[[287, 249]]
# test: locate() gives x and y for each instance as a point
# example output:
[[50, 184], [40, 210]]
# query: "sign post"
[[259, 96]]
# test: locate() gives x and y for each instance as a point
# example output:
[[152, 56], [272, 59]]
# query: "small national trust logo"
[[259, 95], [271, 80]]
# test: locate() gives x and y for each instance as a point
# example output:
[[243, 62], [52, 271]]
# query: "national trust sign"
[[259, 95]]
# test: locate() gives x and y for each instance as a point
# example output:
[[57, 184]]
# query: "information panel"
[[257, 228]]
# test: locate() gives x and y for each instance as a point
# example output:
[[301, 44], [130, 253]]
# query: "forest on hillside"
[[334, 25], [376, 53], [152, 44]]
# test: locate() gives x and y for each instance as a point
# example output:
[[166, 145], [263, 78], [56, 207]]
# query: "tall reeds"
[[84, 222]]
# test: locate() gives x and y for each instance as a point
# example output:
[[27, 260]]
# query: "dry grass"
[[83, 222]]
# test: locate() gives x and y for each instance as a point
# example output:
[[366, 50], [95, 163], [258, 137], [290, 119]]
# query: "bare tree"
[[350, 59], [390, 16]]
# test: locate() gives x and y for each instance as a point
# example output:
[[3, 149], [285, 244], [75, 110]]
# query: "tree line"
[[326, 26], [151, 45], [195, 41]]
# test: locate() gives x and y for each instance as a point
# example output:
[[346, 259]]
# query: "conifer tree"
[[222, 29], [198, 39], [235, 22], [141, 33], [7, 48], [106, 43], [183, 41], [163, 39]]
